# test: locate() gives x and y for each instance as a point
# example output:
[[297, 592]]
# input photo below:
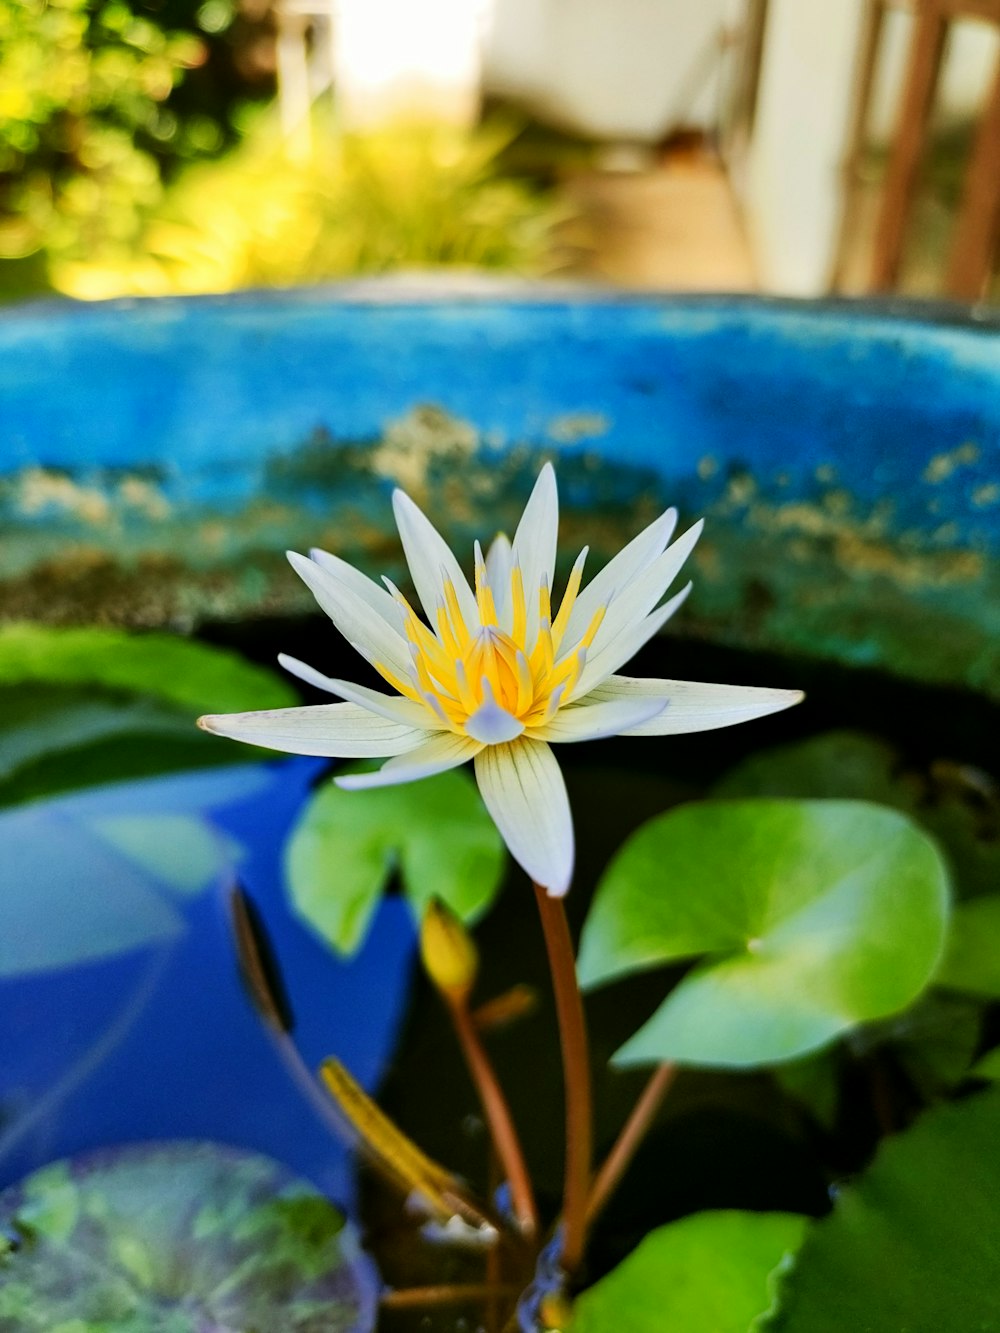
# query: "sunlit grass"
[[406, 197]]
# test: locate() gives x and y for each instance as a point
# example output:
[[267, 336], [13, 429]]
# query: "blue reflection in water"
[[156, 1039]]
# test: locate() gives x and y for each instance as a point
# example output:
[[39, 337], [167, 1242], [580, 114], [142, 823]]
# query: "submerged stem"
[[576, 1075], [627, 1144], [497, 1112]]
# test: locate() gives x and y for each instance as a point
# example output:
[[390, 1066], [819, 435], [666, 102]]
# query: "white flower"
[[494, 676]]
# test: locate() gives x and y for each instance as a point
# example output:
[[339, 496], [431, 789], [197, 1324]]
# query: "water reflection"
[[121, 1014]]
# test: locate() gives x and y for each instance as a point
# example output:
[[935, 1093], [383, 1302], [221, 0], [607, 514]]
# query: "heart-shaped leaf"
[[913, 1245], [178, 1238], [815, 916], [347, 845], [709, 1273]]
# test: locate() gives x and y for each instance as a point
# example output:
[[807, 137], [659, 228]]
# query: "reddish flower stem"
[[634, 1131], [497, 1112], [576, 1075]]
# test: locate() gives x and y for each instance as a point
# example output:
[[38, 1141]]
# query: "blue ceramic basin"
[[157, 457]]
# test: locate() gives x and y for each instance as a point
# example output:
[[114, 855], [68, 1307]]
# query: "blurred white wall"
[[614, 69], [399, 58], [793, 182]]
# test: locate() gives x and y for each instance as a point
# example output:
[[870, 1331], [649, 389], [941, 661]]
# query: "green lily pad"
[[178, 1238], [709, 1273], [39, 721], [815, 916], [989, 1065], [972, 959], [957, 804], [913, 1245], [346, 847], [195, 677]]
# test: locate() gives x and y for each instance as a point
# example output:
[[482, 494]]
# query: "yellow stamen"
[[446, 634], [569, 599], [458, 625], [592, 628], [404, 687], [520, 610]]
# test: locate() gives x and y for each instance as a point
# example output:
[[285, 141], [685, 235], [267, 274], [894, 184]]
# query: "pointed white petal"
[[362, 586], [499, 563], [593, 722], [534, 545], [431, 560], [436, 755], [525, 794], [341, 731], [620, 572], [492, 724], [634, 602], [692, 705], [385, 705], [616, 653], [364, 629]]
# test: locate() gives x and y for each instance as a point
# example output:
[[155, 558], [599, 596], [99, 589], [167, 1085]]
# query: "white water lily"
[[494, 676]]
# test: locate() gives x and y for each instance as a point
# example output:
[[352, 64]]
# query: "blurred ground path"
[[671, 225]]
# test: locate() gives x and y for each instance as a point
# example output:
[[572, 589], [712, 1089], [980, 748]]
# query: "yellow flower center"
[[464, 668]]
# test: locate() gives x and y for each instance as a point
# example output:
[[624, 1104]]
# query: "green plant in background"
[[403, 197], [82, 107]]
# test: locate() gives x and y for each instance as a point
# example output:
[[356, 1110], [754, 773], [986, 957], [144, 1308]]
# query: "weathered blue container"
[[157, 457]]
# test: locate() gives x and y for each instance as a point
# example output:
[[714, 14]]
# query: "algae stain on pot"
[[794, 565]]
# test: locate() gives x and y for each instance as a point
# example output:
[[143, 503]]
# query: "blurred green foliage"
[[101, 102], [82, 100], [408, 196]]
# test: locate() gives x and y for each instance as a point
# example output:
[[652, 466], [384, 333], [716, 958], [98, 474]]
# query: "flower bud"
[[447, 950]]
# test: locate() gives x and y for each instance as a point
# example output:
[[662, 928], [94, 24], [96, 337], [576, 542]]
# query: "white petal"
[[692, 705], [525, 794], [341, 731], [492, 724], [593, 722], [633, 602], [436, 755], [499, 563], [619, 573], [385, 705], [534, 546], [362, 586], [615, 654], [364, 629], [431, 561]]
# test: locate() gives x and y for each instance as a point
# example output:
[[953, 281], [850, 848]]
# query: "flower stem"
[[576, 1075], [409, 1298], [497, 1112], [626, 1145]]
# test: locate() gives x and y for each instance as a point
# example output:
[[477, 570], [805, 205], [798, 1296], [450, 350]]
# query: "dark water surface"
[[158, 1041]]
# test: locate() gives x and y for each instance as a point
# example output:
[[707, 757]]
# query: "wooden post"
[[978, 227], [925, 62], [872, 25]]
